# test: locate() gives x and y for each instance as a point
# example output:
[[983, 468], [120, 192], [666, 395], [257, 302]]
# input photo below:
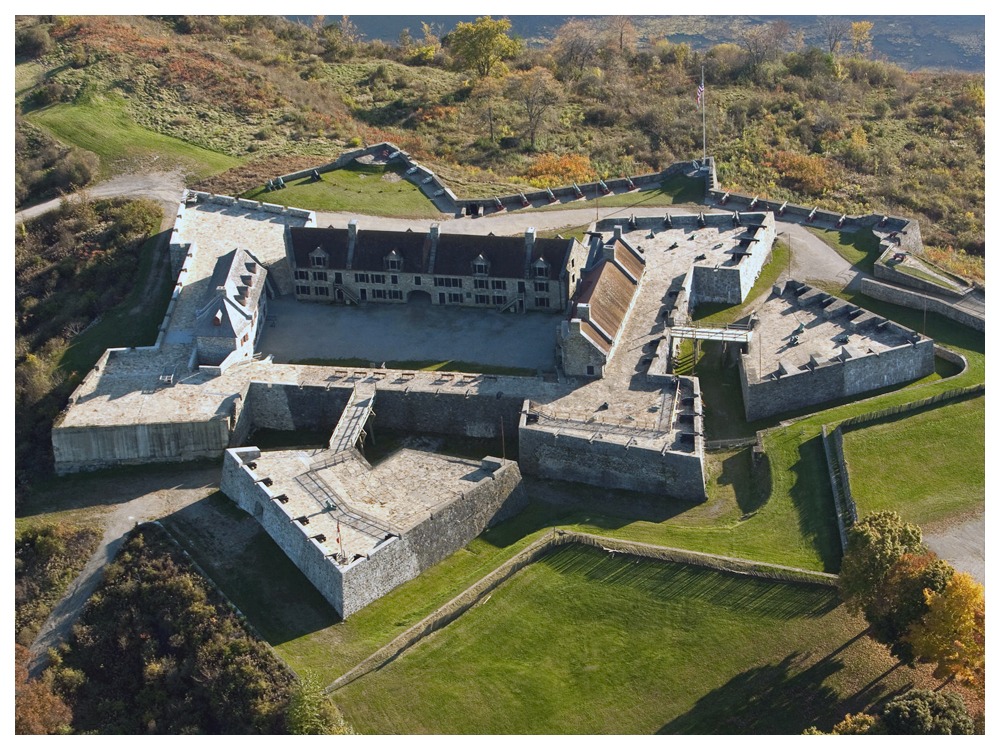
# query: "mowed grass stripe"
[[585, 642], [927, 467]]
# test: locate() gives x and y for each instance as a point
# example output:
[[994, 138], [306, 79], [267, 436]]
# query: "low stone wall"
[[289, 406], [444, 413], [887, 273], [612, 461], [913, 299]]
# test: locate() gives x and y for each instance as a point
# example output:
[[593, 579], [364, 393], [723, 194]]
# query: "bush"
[[33, 42], [927, 712]]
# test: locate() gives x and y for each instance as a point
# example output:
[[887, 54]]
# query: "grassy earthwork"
[[584, 642], [858, 247], [941, 453], [368, 189], [102, 125]]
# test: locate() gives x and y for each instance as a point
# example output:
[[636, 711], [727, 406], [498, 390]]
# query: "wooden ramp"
[[738, 335], [352, 422]]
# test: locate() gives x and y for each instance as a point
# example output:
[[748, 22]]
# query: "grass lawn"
[[584, 642], [103, 126], [941, 453], [133, 322], [368, 189], [859, 248], [677, 189]]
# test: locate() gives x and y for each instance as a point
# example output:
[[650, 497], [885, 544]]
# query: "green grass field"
[[102, 125], [859, 248], [356, 187], [929, 466], [585, 642]]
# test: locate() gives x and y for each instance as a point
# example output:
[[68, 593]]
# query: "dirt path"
[[163, 187], [138, 499], [962, 544]]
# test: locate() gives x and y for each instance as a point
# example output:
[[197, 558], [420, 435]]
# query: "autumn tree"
[[861, 38], [620, 34], [763, 42], [952, 634], [37, 709], [487, 105], [575, 48], [482, 46], [835, 30], [874, 545], [536, 92]]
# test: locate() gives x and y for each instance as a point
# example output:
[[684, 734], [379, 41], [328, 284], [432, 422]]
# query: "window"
[[379, 294], [378, 278], [480, 266], [393, 262], [456, 298], [447, 282], [541, 286], [338, 278], [319, 275], [482, 299], [395, 294], [360, 278], [481, 283], [416, 281], [319, 260], [541, 301], [300, 289], [394, 279], [499, 299], [541, 269], [590, 369], [322, 291], [302, 276], [499, 284]]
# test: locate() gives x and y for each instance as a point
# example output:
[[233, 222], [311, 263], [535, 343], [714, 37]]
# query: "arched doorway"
[[418, 297]]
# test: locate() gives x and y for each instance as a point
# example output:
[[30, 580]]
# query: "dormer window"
[[393, 262], [480, 266], [541, 269], [318, 258]]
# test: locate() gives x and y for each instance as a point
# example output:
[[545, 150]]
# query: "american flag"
[[701, 93]]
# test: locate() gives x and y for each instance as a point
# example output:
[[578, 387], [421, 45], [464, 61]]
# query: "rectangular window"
[[499, 284], [499, 299], [394, 279], [319, 275], [393, 264], [360, 278], [482, 299], [322, 291], [395, 294], [379, 294], [378, 278], [541, 301], [481, 283], [446, 281], [299, 289], [541, 286], [455, 298], [302, 276], [416, 281], [319, 261]]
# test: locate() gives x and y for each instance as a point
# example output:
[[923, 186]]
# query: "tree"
[[763, 42], [861, 38], [953, 632], [37, 710], [874, 545], [537, 92], [482, 46], [621, 34], [835, 29], [904, 602], [486, 100], [927, 712], [575, 47], [310, 710]]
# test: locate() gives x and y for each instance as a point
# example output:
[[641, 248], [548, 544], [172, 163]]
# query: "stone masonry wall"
[[574, 458], [918, 301]]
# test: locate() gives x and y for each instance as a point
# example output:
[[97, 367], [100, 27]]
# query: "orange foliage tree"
[[953, 632], [549, 170], [37, 710]]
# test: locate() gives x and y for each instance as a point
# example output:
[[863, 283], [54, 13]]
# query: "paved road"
[[136, 500], [163, 187]]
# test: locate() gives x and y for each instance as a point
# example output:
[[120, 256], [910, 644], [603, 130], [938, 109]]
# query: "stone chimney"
[[352, 240], [583, 311]]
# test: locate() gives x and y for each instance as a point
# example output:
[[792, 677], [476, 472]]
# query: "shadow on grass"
[[250, 569], [751, 485], [813, 500], [668, 581]]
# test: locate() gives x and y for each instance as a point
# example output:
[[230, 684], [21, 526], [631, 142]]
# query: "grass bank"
[[858, 247], [584, 642]]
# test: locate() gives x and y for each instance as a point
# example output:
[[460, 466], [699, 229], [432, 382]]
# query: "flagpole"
[[704, 130]]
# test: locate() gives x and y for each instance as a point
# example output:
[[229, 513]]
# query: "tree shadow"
[[813, 500], [750, 484], [772, 699]]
